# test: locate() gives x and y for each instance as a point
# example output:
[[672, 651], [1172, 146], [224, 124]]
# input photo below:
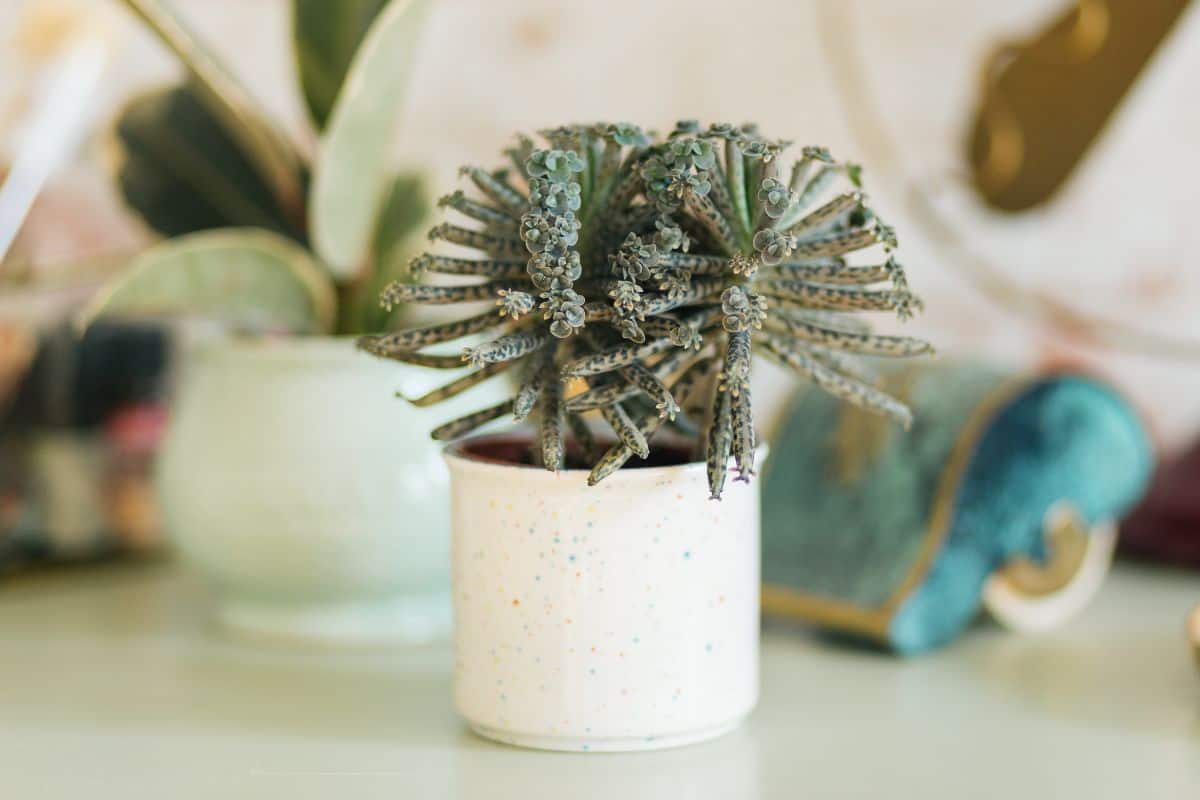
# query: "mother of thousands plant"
[[635, 276]]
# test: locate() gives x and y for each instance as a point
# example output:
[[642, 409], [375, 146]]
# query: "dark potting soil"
[[517, 452]]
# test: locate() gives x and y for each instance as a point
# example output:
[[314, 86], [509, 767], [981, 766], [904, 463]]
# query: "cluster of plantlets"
[[634, 277]]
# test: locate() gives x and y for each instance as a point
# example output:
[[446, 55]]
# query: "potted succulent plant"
[[273, 475], [633, 278]]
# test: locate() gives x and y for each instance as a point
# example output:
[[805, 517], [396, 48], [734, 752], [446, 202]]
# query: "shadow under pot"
[[622, 616]]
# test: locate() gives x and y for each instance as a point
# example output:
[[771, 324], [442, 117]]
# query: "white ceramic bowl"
[[308, 493]]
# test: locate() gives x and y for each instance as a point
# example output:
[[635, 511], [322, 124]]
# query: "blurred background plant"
[[220, 214], [259, 234]]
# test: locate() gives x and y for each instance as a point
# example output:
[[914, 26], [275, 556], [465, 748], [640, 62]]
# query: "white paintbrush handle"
[[64, 105]]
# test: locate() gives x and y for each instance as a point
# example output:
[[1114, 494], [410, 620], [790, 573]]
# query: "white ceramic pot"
[[617, 617], [307, 492]]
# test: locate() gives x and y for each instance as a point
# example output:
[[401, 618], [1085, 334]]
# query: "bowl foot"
[[402, 619]]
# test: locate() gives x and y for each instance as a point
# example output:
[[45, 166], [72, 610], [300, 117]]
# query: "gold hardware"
[[1065, 535], [1044, 101], [844, 52], [1092, 22]]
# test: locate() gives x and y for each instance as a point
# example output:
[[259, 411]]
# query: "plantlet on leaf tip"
[[637, 276]]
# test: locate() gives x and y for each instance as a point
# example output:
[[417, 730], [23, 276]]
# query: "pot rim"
[[457, 457]]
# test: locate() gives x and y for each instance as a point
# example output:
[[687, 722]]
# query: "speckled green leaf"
[[325, 36], [246, 277], [350, 179], [182, 172]]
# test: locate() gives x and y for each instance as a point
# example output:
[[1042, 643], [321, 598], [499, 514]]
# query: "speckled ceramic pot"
[[617, 617], [310, 496]]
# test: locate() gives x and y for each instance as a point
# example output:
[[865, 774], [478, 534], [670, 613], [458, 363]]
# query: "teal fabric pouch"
[[1000, 486]]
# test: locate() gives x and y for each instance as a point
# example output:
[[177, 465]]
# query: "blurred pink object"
[[136, 429]]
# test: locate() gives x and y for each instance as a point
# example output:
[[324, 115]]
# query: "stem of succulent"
[[552, 447], [719, 436], [457, 387], [456, 429], [587, 179], [735, 174], [753, 178], [847, 388]]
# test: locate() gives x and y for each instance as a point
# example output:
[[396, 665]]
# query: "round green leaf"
[[351, 177], [247, 277]]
